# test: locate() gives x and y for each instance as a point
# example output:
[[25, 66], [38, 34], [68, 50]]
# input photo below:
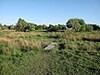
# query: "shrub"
[[89, 28]]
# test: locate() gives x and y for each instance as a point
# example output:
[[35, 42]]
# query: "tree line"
[[75, 24]]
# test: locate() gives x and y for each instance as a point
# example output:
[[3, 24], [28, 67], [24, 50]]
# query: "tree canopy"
[[22, 25], [71, 23]]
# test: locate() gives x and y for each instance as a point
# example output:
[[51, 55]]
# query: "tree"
[[20, 26], [76, 24], [72, 23], [23, 25]]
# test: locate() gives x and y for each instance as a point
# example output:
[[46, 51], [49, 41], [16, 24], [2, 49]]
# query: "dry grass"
[[33, 44], [23, 35], [7, 42], [10, 43]]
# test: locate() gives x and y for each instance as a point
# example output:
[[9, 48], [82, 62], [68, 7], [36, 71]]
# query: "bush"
[[89, 28]]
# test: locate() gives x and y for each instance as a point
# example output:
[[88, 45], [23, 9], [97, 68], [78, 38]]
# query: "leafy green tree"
[[76, 24], [22, 25], [72, 23]]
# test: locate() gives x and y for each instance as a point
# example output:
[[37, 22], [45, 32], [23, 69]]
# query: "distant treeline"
[[74, 24]]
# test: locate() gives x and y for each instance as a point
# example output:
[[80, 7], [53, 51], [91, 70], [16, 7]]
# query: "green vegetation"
[[22, 49], [77, 25]]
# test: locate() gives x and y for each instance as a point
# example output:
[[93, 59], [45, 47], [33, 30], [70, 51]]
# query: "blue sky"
[[49, 11]]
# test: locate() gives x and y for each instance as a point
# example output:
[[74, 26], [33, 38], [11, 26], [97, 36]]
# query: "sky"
[[49, 11]]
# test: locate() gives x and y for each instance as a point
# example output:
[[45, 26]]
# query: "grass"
[[77, 53]]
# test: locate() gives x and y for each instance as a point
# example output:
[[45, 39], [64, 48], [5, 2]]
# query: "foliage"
[[94, 26], [56, 28], [79, 25], [23, 26], [72, 23], [89, 28], [83, 28], [52, 28]]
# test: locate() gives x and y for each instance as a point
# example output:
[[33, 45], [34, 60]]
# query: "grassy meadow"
[[22, 53]]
